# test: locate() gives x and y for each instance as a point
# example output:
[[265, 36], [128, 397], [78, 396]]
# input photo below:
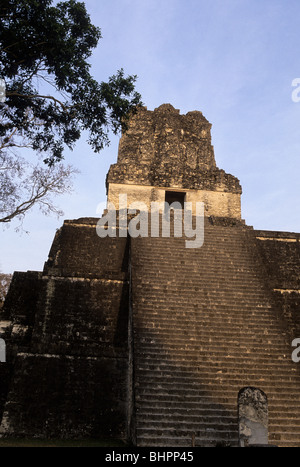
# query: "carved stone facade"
[[163, 150], [144, 339]]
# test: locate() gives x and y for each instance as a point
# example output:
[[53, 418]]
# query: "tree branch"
[[39, 185], [38, 96]]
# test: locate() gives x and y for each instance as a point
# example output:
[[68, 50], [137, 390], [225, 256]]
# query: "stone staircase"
[[204, 326]]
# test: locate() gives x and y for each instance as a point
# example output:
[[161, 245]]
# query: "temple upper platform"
[[163, 151]]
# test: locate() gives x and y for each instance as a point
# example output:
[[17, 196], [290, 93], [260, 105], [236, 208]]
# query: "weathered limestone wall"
[[77, 251], [70, 329], [62, 396], [77, 356], [79, 316], [165, 150], [281, 251], [281, 255], [173, 176], [166, 137], [216, 203], [20, 302], [16, 324]]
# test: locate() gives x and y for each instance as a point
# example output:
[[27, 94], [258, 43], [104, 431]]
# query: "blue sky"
[[235, 61]]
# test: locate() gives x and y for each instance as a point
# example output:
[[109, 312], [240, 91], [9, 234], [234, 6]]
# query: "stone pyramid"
[[141, 338]]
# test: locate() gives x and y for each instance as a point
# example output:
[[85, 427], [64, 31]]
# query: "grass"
[[58, 443]]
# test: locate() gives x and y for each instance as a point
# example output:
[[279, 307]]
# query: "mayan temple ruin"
[[143, 339]]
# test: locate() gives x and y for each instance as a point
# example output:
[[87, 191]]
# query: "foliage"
[[23, 185], [51, 97]]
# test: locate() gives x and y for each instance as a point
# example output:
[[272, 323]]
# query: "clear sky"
[[235, 61]]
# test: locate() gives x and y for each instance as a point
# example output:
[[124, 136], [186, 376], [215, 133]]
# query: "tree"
[[51, 98], [24, 185]]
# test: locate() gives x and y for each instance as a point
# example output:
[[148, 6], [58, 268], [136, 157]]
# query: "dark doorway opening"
[[177, 197]]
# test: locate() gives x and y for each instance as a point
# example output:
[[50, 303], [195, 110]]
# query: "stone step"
[[233, 254], [188, 311], [204, 377], [201, 339], [208, 330], [217, 297], [179, 287], [181, 357], [189, 422], [202, 397], [169, 368], [205, 433], [213, 440], [165, 335], [209, 309], [186, 418], [181, 367], [223, 270], [156, 384], [176, 441], [191, 307], [205, 334], [206, 395], [194, 315], [277, 413]]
